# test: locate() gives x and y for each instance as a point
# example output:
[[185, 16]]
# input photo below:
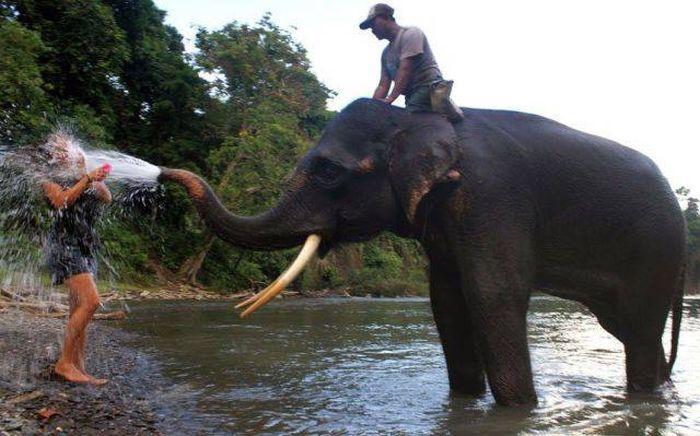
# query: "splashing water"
[[124, 168], [26, 218]]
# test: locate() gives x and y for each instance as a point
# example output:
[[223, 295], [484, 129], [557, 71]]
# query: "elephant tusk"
[[263, 297], [254, 297]]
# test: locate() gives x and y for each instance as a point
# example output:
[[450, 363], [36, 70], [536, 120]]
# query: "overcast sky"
[[628, 70]]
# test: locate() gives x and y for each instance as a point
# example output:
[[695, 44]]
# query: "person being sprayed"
[[76, 197]]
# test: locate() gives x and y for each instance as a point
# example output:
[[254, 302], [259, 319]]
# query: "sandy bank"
[[31, 402]]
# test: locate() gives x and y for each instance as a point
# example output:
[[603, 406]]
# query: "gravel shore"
[[31, 402]]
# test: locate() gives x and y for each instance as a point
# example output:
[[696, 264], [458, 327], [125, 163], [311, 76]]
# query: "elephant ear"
[[423, 153]]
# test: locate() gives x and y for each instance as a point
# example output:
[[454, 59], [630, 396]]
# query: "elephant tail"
[[676, 314]]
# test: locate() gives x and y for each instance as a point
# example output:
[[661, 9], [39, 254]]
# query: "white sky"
[[628, 70]]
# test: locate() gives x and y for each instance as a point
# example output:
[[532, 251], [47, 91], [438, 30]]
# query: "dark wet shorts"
[[419, 100], [67, 261]]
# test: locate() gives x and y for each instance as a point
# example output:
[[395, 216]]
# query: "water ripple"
[[376, 367]]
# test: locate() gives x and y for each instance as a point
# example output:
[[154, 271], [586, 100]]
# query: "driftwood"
[[244, 294], [108, 316], [25, 397], [48, 309], [51, 307], [108, 297], [10, 295]]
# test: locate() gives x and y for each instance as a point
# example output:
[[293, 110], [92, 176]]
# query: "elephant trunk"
[[268, 231]]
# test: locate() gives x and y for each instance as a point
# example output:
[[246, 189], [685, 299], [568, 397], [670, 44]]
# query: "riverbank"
[[179, 291], [32, 402]]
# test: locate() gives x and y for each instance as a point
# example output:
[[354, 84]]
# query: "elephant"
[[504, 203]]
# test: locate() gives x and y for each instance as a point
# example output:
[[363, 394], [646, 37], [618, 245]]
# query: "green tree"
[[162, 117], [121, 77], [692, 218], [274, 105], [85, 51], [23, 102]]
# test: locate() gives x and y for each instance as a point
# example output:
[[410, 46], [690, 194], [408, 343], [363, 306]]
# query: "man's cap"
[[375, 11]]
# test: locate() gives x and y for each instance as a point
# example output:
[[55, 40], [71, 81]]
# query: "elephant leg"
[[645, 364], [645, 361], [464, 367], [503, 341], [498, 283], [646, 302], [643, 330], [629, 309]]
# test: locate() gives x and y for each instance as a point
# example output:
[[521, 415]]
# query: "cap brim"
[[366, 24]]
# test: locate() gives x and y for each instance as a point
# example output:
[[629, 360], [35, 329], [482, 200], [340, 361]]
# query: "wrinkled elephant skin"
[[504, 204]]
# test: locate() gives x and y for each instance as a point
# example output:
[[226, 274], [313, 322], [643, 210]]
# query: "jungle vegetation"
[[240, 111], [118, 75]]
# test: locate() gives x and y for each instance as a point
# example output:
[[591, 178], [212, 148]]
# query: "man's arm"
[[403, 78], [412, 42], [384, 84], [61, 198], [102, 192]]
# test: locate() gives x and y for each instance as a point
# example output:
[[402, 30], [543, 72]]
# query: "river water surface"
[[376, 366]]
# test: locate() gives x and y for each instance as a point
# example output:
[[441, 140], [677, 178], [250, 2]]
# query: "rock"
[[25, 397], [46, 413], [11, 425]]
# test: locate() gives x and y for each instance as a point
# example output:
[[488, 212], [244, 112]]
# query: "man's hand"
[[98, 175], [402, 79], [383, 86], [102, 192]]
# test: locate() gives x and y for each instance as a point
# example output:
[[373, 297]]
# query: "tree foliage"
[[22, 98], [240, 112], [692, 219]]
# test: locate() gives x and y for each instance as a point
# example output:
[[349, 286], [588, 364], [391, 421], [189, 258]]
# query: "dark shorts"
[[67, 261], [419, 100]]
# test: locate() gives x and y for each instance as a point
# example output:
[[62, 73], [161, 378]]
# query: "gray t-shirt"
[[411, 42]]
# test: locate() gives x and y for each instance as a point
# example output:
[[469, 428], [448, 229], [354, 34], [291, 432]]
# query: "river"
[[376, 366]]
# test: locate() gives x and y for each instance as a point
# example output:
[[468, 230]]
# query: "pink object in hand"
[[107, 167]]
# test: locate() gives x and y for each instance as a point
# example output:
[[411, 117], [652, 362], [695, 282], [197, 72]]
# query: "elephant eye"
[[328, 171]]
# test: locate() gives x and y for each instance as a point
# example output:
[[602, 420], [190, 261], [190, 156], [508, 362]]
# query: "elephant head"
[[369, 172]]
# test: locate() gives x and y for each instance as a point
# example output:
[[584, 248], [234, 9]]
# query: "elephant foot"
[[512, 388], [646, 367], [473, 386], [517, 399]]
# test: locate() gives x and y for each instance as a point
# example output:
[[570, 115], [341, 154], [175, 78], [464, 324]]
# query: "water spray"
[[25, 219]]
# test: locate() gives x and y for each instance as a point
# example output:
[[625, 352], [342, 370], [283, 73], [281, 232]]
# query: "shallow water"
[[376, 366]]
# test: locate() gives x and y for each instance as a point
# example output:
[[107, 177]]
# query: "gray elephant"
[[504, 203]]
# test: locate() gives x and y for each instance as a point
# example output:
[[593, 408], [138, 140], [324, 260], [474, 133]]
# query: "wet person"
[[76, 197]]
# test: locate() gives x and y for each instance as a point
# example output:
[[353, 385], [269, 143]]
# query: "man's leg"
[[440, 101], [419, 100], [84, 301]]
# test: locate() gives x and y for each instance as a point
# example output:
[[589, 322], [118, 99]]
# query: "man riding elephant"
[[408, 61]]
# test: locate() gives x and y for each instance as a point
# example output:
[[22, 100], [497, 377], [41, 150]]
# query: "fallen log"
[[25, 397], [11, 295], [108, 316], [48, 306], [108, 297]]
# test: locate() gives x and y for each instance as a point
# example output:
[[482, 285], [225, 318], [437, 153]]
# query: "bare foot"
[[97, 381], [70, 373]]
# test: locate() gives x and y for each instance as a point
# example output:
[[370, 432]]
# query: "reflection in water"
[[365, 365]]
